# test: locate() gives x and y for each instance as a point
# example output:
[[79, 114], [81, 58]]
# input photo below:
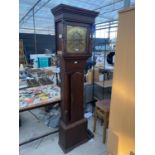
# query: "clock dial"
[[76, 39]]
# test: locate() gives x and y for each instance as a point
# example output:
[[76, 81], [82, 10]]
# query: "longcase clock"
[[73, 27]]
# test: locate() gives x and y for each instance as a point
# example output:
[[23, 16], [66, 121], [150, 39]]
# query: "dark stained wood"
[[73, 126], [76, 96], [74, 14], [72, 135]]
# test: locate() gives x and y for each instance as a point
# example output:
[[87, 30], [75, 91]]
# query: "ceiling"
[[44, 21]]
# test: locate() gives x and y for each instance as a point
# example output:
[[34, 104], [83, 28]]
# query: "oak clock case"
[[73, 40]]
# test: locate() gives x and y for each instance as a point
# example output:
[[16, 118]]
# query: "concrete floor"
[[49, 145]]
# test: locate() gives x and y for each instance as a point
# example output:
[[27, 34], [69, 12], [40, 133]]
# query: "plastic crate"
[[43, 62]]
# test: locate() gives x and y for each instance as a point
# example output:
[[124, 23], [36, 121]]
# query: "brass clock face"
[[76, 39]]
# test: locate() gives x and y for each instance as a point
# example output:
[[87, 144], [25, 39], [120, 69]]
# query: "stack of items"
[[38, 95], [23, 84], [45, 81], [33, 83], [34, 78]]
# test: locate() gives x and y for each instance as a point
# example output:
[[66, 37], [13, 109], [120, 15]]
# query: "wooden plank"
[[122, 109], [34, 106]]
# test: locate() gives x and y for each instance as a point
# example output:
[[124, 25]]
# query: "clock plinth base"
[[73, 135]]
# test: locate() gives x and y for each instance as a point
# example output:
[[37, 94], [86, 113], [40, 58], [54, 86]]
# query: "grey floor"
[[32, 127]]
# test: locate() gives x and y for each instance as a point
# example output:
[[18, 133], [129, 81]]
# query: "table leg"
[[105, 127], [95, 118]]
